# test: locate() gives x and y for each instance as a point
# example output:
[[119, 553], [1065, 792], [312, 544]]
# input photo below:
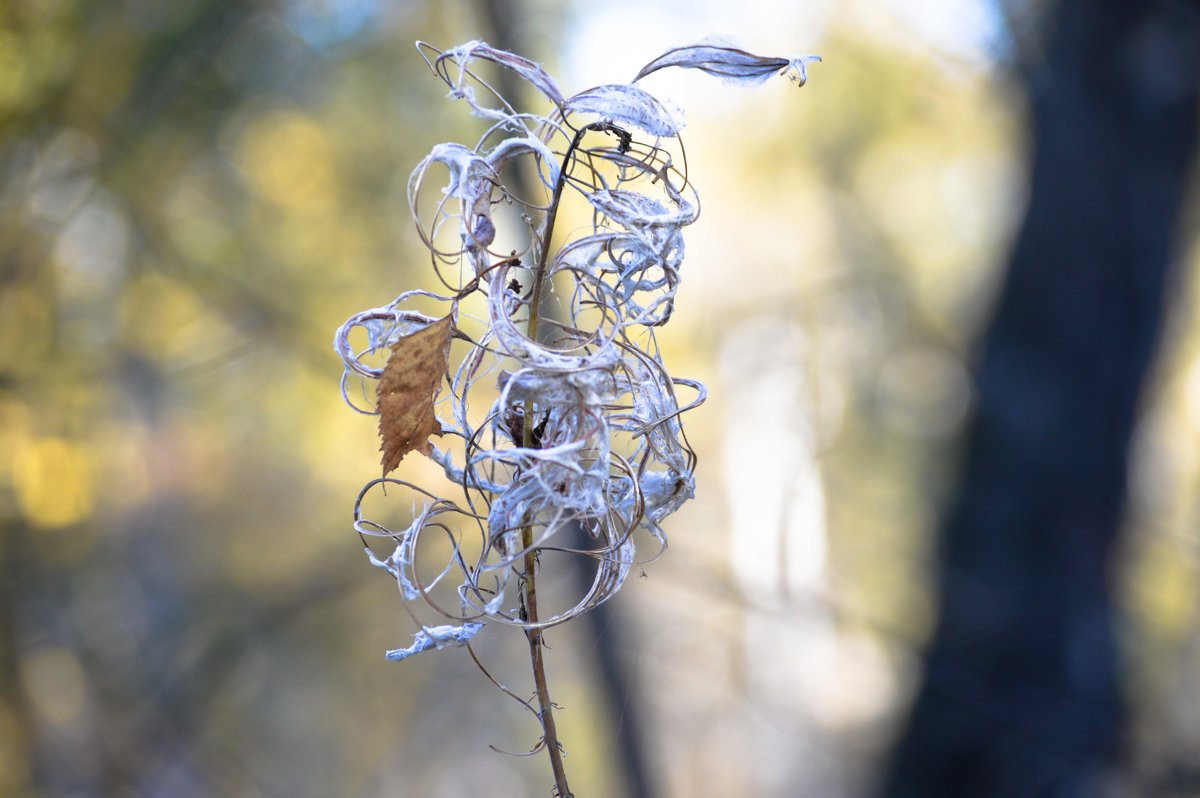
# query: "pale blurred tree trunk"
[[1020, 698]]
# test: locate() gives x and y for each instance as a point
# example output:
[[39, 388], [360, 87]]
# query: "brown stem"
[[534, 635], [539, 272], [529, 585]]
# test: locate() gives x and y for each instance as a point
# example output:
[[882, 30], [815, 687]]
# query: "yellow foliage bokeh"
[[288, 160], [54, 482]]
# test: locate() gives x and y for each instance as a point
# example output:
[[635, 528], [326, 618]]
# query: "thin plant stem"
[[545, 705], [533, 632], [539, 272]]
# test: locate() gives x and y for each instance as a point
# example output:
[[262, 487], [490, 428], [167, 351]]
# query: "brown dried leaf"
[[406, 390]]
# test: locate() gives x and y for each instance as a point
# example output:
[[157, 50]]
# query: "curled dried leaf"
[[406, 391], [436, 637], [731, 63], [627, 105], [461, 57]]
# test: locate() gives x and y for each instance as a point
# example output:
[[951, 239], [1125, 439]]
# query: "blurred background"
[[195, 194]]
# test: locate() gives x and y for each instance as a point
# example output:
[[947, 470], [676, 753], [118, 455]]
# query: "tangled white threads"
[[582, 422]]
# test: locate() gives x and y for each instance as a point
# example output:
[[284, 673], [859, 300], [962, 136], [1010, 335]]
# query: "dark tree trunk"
[[1020, 698]]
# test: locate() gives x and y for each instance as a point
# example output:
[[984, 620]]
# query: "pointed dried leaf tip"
[[731, 63], [406, 390]]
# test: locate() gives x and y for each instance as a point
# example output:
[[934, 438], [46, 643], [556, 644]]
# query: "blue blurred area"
[[330, 24]]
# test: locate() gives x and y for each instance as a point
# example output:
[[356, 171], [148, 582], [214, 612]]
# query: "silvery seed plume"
[[555, 409]]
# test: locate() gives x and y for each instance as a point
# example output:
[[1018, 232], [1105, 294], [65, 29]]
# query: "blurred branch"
[[169, 68]]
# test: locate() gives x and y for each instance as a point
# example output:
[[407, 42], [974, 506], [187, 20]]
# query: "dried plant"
[[539, 374]]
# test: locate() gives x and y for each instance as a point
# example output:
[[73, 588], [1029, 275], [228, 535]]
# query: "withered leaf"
[[730, 63], [406, 390]]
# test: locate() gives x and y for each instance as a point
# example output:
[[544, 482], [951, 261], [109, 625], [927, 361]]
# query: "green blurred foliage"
[[194, 197]]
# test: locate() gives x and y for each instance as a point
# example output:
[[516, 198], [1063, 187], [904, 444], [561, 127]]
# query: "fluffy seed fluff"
[[557, 413]]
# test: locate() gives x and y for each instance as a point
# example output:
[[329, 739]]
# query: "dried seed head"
[[559, 411]]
